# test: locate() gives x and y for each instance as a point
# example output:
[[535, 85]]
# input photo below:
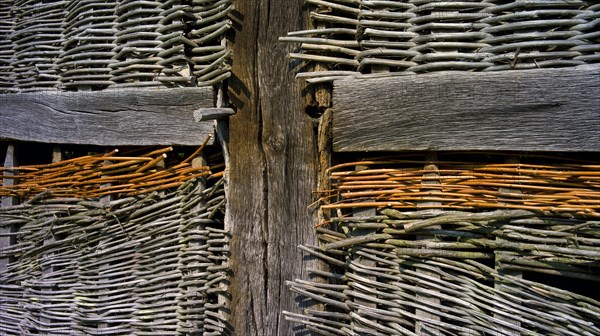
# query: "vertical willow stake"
[[430, 184], [7, 236], [197, 245], [356, 232], [498, 266], [49, 269], [104, 267]]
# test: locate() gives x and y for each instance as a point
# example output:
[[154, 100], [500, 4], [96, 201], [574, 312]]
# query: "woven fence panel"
[[7, 79], [396, 183], [91, 44], [88, 44], [209, 53], [453, 247], [417, 36], [125, 263], [38, 41]]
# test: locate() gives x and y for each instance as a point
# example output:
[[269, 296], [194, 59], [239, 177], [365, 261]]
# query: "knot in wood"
[[274, 142]]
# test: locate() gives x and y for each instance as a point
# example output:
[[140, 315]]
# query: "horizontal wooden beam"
[[524, 110], [108, 118]]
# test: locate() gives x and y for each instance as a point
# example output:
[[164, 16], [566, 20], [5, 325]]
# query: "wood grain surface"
[[525, 110], [107, 118], [272, 174]]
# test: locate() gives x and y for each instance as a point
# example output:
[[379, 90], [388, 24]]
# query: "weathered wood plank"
[[107, 118], [272, 171], [541, 110]]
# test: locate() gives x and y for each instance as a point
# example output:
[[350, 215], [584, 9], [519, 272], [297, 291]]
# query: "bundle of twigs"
[[590, 52], [102, 175], [333, 43], [150, 264], [554, 187]]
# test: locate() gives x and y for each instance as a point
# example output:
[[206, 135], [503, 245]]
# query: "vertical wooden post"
[[6, 234], [429, 179], [272, 171]]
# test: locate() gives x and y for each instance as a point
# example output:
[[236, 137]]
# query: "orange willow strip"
[[85, 176], [420, 163], [185, 173], [197, 151], [538, 172], [381, 182], [161, 187], [123, 164], [469, 174], [361, 204], [510, 185], [152, 163], [158, 152], [549, 187], [217, 166], [216, 175], [116, 187], [169, 170], [471, 166], [67, 170], [398, 193], [460, 184]]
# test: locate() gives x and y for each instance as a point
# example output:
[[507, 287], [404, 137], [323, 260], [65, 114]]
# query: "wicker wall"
[[363, 36], [73, 44], [130, 247], [465, 243], [472, 244]]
